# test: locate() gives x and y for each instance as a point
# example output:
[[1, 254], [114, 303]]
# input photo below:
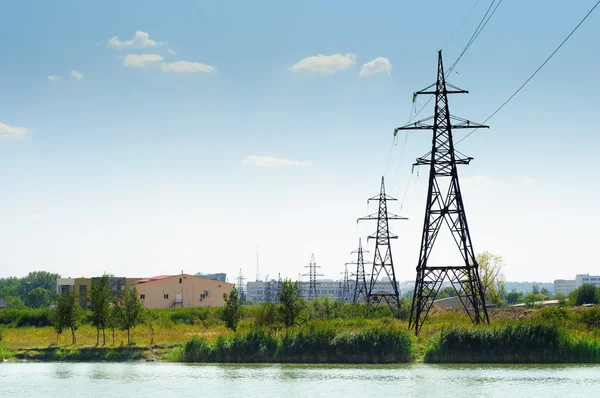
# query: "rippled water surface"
[[174, 380]]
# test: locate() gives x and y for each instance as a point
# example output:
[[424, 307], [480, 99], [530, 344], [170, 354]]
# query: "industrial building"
[[566, 286], [220, 276], [83, 286], [182, 290]]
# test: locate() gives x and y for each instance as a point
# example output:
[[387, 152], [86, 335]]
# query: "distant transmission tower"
[[240, 286], [360, 287], [345, 288], [257, 265], [383, 252], [445, 205], [312, 274]]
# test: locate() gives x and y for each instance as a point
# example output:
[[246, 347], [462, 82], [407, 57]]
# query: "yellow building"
[[83, 286], [183, 290]]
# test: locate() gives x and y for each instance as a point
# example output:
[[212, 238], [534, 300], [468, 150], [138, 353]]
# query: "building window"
[[180, 280], [142, 296], [166, 296]]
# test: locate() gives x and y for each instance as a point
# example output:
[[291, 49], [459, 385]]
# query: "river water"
[[203, 380]]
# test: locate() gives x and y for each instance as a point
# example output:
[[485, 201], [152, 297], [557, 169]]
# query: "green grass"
[[531, 341], [314, 343]]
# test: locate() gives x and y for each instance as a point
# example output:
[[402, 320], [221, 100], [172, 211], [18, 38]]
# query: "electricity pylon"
[[383, 252], [312, 274], [445, 206], [360, 287]]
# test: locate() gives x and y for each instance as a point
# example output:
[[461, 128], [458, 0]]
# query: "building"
[[182, 290], [564, 286], [83, 286], [267, 291], [220, 276], [3, 304]]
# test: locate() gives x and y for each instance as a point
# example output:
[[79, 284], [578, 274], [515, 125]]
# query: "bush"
[[524, 342], [591, 318], [266, 316], [26, 317]]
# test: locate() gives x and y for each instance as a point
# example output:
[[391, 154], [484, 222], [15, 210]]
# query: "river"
[[203, 380]]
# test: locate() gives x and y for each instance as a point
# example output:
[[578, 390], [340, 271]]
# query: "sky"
[[142, 138]]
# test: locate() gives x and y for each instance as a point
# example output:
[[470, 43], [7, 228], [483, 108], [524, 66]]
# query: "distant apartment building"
[[182, 290], [267, 291], [566, 286]]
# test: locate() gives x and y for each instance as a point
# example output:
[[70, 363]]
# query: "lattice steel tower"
[[344, 290], [383, 252], [240, 286], [445, 204], [360, 286], [312, 274]]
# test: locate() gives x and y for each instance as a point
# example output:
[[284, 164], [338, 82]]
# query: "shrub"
[[591, 318]]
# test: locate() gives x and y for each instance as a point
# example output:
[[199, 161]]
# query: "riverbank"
[[515, 336]]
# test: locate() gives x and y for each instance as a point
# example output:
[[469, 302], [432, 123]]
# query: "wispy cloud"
[[187, 67], [324, 64], [171, 52], [7, 131], [53, 77], [76, 74], [269, 161], [141, 60], [378, 65], [140, 40], [480, 183], [526, 180]]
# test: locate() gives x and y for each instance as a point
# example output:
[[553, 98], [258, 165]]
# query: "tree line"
[[36, 290]]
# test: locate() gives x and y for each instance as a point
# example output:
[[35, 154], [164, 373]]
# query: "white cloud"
[[171, 52], [76, 74], [325, 64], [52, 77], [141, 60], [268, 161], [526, 180], [378, 65], [186, 67], [7, 131], [140, 40]]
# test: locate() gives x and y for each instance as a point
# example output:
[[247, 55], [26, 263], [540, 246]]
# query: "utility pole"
[[383, 252], [445, 206], [360, 287], [312, 274]]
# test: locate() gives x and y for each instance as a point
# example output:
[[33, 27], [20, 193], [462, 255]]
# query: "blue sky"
[[143, 138]]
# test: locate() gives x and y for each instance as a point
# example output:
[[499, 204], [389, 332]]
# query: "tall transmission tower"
[[312, 274], [240, 286], [383, 252], [344, 288], [445, 203], [360, 286], [257, 267]]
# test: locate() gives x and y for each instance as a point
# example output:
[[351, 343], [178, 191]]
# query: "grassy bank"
[[523, 342], [328, 333], [313, 344]]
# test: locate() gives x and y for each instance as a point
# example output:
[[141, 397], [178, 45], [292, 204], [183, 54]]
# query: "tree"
[[232, 312], [291, 302], [585, 294], [15, 303], [544, 292], [100, 306], [535, 288], [43, 279], [151, 318], [530, 299], [39, 297], [514, 297], [66, 314], [490, 272], [446, 292], [129, 311]]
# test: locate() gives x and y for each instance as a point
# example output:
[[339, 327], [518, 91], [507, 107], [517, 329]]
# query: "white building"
[[566, 286], [260, 291]]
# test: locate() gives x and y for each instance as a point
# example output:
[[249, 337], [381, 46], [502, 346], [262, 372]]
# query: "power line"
[[461, 24], [536, 71]]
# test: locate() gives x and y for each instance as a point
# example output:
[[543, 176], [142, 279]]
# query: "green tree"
[[129, 311], [446, 292], [544, 292], [15, 303], [562, 300], [9, 287], [291, 302], [585, 294], [232, 312], [66, 315], [39, 297], [535, 288], [43, 279], [151, 319], [514, 297], [530, 299], [490, 272], [100, 306]]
